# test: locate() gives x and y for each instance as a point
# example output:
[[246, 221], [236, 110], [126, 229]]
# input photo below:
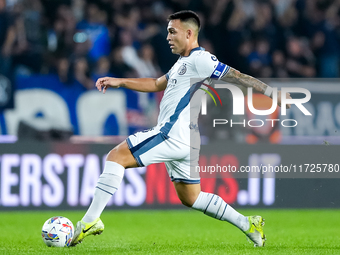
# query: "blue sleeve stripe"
[[225, 71], [219, 70], [167, 76]]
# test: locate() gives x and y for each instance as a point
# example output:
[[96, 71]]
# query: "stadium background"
[[56, 128]]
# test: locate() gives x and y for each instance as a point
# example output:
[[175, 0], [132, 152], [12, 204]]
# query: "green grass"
[[178, 232]]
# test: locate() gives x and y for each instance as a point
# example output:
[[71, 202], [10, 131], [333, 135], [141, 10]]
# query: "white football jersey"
[[181, 102]]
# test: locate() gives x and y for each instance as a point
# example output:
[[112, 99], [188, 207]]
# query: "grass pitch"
[[178, 232]]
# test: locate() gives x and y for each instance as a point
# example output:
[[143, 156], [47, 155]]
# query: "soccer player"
[[169, 141]]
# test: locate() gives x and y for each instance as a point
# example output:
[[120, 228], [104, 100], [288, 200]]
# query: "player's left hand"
[[279, 99]]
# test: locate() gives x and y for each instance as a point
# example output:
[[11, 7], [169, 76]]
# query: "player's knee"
[[113, 155], [121, 155], [118, 155]]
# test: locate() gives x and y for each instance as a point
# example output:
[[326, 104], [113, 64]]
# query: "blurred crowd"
[[85, 39]]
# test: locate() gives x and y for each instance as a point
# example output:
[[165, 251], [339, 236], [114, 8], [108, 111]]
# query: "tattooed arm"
[[236, 77]]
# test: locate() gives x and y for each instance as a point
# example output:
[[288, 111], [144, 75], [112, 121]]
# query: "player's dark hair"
[[186, 15]]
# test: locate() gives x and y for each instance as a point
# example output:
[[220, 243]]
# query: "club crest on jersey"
[[182, 70]]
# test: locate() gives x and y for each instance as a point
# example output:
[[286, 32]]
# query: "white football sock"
[[214, 206], [107, 185]]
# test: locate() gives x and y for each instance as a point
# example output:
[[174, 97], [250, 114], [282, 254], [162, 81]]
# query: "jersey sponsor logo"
[[213, 58], [182, 70], [172, 83]]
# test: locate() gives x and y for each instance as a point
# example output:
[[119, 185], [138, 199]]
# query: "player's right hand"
[[103, 83]]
